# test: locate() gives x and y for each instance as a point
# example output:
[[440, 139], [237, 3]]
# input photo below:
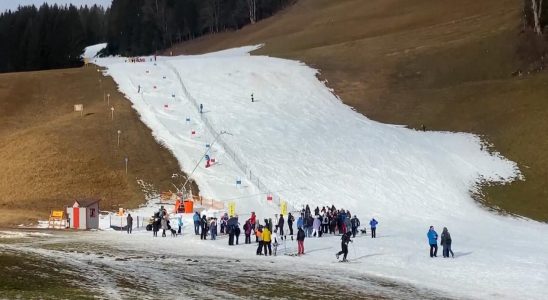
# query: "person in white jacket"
[[316, 226]]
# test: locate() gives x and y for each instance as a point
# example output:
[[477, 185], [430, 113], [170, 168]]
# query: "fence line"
[[246, 169]]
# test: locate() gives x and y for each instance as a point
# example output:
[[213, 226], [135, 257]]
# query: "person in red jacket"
[[253, 221]]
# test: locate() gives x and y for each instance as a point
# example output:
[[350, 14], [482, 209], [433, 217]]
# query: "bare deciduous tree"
[[252, 5], [537, 14]]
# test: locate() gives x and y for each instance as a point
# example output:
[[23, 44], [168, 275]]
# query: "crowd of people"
[[270, 233]]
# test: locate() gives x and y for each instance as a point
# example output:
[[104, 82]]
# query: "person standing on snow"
[[325, 223], [300, 222], [180, 223], [237, 233], [281, 223], [355, 224], [333, 224], [300, 241], [247, 232], [253, 221], [345, 239], [156, 224], [204, 224], [373, 223], [201, 108], [231, 235], [267, 241], [316, 226], [259, 235], [290, 220], [164, 226], [433, 241], [347, 223], [213, 228], [446, 243], [129, 223], [196, 219]]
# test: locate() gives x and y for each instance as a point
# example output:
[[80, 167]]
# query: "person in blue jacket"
[[300, 222], [433, 241], [196, 219], [373, 223]]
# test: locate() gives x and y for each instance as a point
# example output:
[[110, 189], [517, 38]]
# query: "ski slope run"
[[303, 145]]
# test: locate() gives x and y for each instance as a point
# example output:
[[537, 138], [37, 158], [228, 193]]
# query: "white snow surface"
[[307, 147], [91, 51]]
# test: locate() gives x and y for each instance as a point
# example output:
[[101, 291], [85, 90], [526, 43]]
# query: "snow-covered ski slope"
[[307, 147]]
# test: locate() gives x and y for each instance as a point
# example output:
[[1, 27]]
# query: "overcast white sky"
[[12, 4]]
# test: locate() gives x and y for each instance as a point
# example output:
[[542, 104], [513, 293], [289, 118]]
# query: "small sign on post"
[[126, 160], [80, 108]]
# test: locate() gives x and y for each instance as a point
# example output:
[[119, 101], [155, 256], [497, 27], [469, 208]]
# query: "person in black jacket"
[[237, 233], [344, 245], [155, 225], [129, 223], [300, 241], [231, 233], [355, 223], [204, 225], [281, 222], [446, 243], [290, 220]]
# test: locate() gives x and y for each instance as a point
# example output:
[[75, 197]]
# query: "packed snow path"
[[309, 148]]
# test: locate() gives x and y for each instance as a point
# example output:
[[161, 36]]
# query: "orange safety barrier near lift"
[[189, 206]]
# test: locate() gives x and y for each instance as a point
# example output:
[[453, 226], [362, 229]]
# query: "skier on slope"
[[345, 239]]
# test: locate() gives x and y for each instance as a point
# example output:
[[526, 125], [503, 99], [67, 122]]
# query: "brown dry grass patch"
[[50, 154], [445, 64]]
